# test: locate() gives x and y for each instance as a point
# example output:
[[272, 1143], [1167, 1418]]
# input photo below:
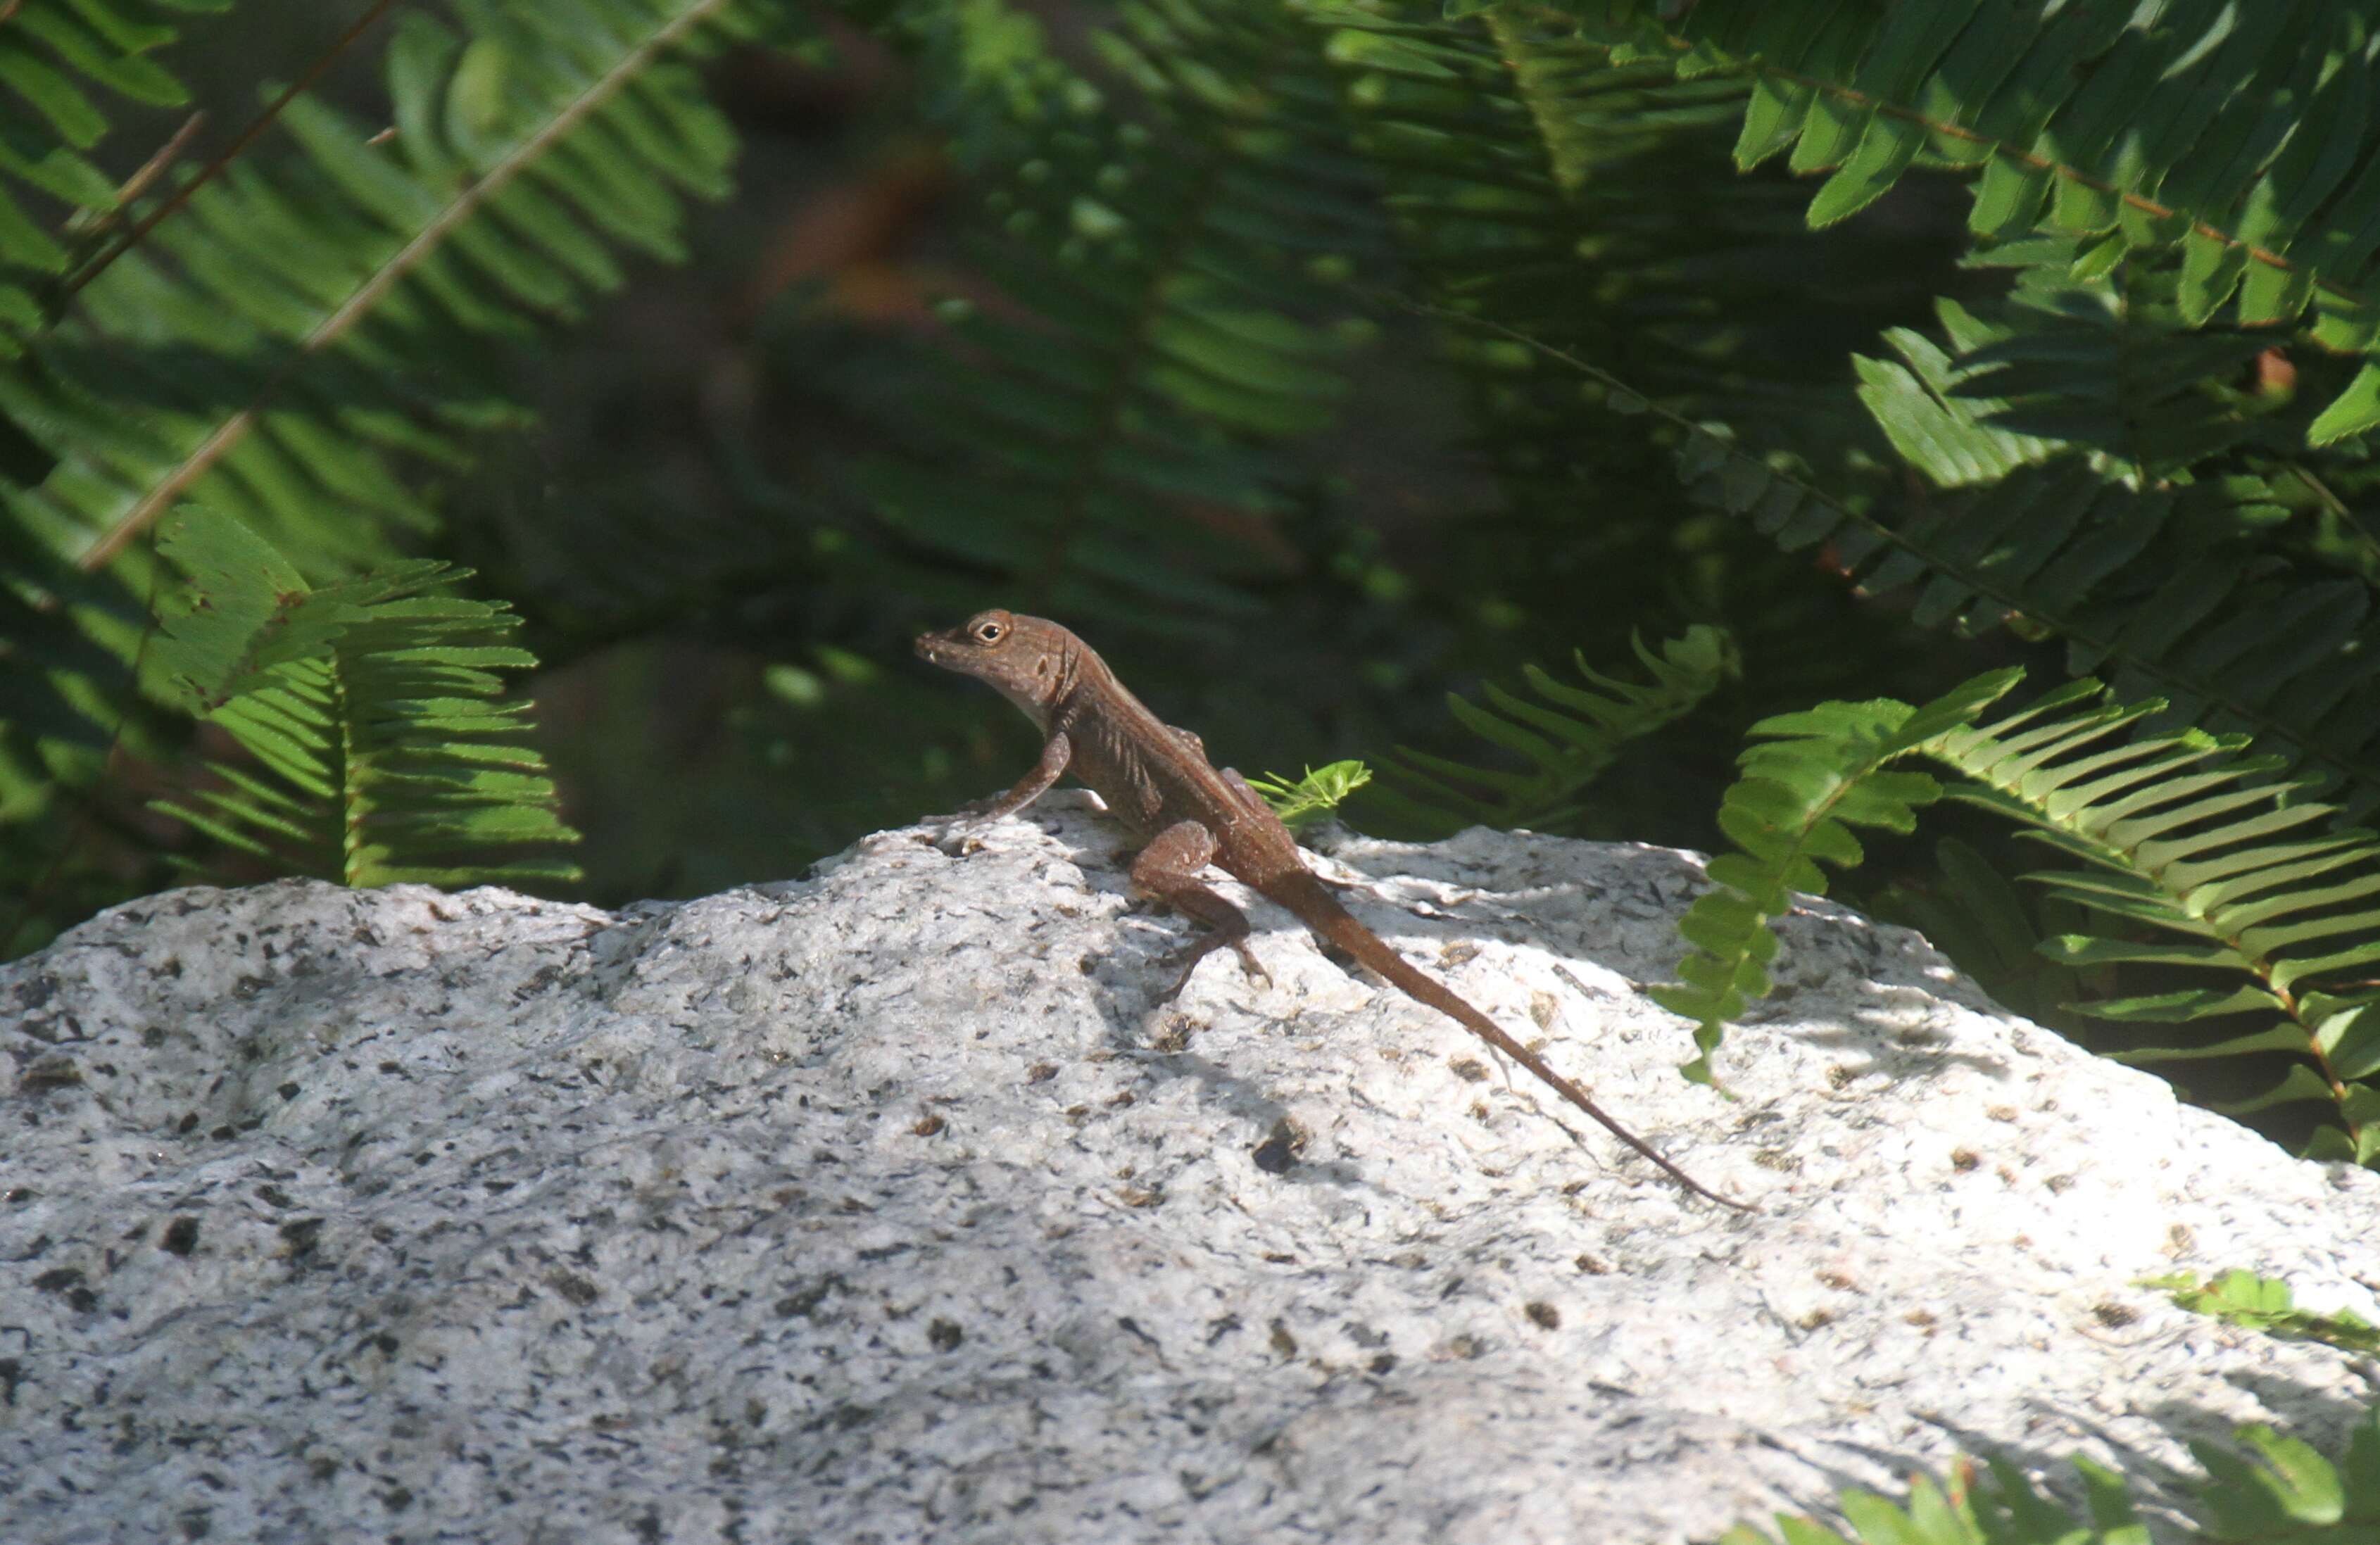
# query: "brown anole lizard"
[[1157, 780]]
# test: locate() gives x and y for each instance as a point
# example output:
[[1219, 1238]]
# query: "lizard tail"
[[1315, 908]]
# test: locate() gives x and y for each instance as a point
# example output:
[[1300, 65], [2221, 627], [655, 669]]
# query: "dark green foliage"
[[66, 63], [2235, 144], [1101, 437], [293, 347], [1969, 909], [2119, 449], [1567, 739], [370, 709], [2175, 589], [315, 316], [1521, 166]]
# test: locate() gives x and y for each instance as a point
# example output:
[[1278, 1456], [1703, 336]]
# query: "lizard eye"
[[989, 632]]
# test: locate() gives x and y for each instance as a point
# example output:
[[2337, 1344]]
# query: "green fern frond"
[[2193, 860], [986, 74], [2170, 589], [1568, 738], [2282, 1488], [2235, 144], [2191, 857], [56, 57], [1814, 777], [1323, 789], [2109, 364], [2060, 424], [71, 710], [301, 334], [2267, 1304], [273, 346], [2267, 1487], [2105, 366], [1105, 434], [1526, 172], [371, 710]]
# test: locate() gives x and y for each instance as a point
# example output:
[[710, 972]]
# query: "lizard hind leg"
[[1168, 869]]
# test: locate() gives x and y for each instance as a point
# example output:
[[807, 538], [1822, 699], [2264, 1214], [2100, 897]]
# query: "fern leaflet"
[[370, 710]]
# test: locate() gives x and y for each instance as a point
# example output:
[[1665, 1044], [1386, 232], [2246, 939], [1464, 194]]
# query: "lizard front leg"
[[1032, 787], [978, 813], [1168, 869]]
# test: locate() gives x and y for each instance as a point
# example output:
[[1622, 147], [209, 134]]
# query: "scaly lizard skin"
[[1157, 780]]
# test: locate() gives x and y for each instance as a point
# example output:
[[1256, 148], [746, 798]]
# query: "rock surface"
[[891, 1205]]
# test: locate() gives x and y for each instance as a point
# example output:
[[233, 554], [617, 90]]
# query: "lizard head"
[[1024, 659]]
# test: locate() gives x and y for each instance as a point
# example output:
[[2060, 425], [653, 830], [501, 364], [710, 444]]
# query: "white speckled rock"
[[891, 1206]]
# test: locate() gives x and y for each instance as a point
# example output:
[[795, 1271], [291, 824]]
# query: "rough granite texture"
[[891, 1205]]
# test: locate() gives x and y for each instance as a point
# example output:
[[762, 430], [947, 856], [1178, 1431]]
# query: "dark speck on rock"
[[1278, 1153], [49, 1073], [573, 1287]]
